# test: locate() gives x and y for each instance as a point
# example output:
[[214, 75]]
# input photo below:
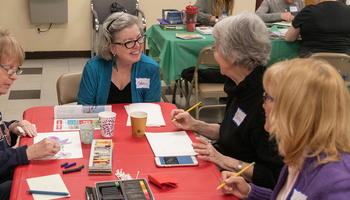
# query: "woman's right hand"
[[183, 119], [44, 148], [235, 185]]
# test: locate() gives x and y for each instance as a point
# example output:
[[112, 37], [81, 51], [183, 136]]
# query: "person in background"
[[307, 108], [323, 27], [209, 11], [241, 54], [120, 73], [11, 57], [279, 10]]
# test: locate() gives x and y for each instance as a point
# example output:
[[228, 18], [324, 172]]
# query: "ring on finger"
[[208, 154], [53, 150]]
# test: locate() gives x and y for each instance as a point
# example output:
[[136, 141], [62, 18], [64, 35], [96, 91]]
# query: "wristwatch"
[[216, 19], [239, 168]]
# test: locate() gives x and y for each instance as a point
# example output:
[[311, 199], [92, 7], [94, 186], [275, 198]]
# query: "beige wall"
[[75, 35]]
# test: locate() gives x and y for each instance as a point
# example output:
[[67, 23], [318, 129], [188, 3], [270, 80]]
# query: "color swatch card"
[[52, 183], [171, 144], [70, 144]]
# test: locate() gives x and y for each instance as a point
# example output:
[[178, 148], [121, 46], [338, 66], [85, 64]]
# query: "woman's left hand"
[[206, 151], [28, 128]]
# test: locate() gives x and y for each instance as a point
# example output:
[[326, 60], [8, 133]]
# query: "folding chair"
[[205, 90], [100, 10], [67, 87]]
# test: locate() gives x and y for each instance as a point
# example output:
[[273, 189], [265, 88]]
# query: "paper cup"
[[86, 133], [107, 121], [138, 123]]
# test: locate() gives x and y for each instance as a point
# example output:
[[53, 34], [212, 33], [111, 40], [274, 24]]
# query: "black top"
[[248, 141], [324, 27], [119, 96]]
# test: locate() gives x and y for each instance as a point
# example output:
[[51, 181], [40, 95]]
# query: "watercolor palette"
[[124, 189], [101, 157]]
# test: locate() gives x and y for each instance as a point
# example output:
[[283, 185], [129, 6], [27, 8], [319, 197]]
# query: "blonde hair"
[[311, 110], [217, 6], [10, 48]]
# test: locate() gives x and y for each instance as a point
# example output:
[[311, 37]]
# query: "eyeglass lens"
[[131, 44]]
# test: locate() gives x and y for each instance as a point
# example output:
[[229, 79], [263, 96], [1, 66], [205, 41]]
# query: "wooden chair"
[[67, 87], [205, 90]]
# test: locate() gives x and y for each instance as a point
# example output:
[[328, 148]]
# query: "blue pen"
[[48, 192], [64, 164], [70, 165]]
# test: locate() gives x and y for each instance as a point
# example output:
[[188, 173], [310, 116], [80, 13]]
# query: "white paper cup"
[[86, 133], [107, 121], [138, 123]]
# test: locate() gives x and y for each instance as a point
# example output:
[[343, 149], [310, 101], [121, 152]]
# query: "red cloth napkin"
[[162, 181]]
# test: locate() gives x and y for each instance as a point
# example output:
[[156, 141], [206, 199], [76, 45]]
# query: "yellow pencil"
[[239, 173], [189, 110]]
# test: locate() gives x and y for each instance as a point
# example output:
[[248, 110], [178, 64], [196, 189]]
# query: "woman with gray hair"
[[120, 73], [242, 48]]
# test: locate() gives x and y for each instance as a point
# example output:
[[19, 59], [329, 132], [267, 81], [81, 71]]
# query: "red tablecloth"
[[130, 154]]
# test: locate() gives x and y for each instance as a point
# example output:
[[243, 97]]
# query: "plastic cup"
[[86, 133], [138, 123], [107, 121]]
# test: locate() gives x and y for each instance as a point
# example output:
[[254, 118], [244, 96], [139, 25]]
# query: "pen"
[[189, 110], [281, 27], [70, 165], [239, 173], [48, 192]]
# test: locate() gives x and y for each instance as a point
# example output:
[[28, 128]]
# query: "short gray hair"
[[243, 40], [121, 21]]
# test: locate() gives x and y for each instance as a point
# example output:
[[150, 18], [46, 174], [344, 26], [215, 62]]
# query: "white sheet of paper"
[[283, 23], [170, 144], [69, 141], [53, 183], [154, 118]]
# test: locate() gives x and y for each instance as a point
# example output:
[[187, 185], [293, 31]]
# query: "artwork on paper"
[[70, 145]]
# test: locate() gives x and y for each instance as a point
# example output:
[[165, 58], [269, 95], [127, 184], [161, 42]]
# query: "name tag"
[[298, 195], [293, 8], [239, 117], [142, 83]]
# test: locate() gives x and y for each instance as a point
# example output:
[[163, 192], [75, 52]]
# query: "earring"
[[115, 62]]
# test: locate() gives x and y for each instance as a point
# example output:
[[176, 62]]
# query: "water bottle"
[[224, 15]]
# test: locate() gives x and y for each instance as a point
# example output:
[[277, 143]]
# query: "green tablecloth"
[[175, 55]]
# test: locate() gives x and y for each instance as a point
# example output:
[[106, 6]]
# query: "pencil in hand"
[[189, 110], [239, 173]]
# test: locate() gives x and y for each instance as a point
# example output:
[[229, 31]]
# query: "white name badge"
[[239, 117], [293, 8], [298, 195], [142, 83]]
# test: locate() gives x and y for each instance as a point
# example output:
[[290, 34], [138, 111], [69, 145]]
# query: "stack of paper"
[[283, 23], [154, 118], [171, 144], [205, 29]]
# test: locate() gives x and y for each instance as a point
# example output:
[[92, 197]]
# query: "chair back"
[[68, 87], [103, 7], [340, 61], [205, 90]]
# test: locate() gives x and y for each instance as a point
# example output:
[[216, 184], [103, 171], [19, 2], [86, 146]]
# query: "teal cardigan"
[[96, 81]]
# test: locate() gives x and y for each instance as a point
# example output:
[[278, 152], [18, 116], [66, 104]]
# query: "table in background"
[[175, 54], [129, 153]]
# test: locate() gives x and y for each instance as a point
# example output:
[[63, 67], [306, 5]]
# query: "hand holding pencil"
[[236, 185], [189, 110]]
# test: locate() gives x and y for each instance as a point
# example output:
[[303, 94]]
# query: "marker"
[[70, 165], [73, 170], [281, 27], [189, 110], [64, 164], [48, 192], [239, 173]]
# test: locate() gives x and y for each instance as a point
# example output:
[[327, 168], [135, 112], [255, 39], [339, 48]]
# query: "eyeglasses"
[[12, 71], [213, 49], [267, 97], [132, 43]]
